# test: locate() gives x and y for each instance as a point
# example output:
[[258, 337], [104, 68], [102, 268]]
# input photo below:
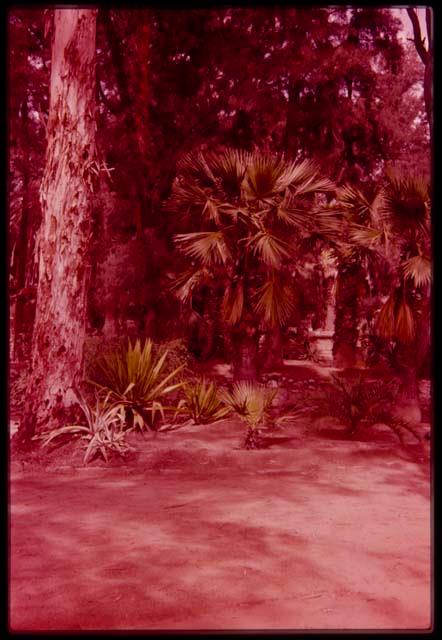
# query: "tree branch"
[[418, 40], [429, 24]]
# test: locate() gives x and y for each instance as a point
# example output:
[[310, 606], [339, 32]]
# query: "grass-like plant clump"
[[202, 402]]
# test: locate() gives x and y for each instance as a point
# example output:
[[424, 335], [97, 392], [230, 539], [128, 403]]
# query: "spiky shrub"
[[251, 402], [103, 432], [359, 403], [138, 379], [203, 402]]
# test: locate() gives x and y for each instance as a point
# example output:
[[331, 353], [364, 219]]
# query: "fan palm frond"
[[186, 196], [387, 319], [396, 321], [230, 168], [405, 325], [365, 235], [292, 216], [250, 401], [406, 201], [195, 166], [418, 268], [263, 177], [186, 282], [313, 184], [208, 247], [270, 249], [328, 222], [355, 204], [233, 302], [274, 301]]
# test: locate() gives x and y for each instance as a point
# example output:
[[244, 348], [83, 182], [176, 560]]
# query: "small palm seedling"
[[138, 380], [361, 403], [202, 402], [251, 402], [103, 432]]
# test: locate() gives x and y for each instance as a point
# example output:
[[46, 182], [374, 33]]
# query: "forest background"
[[339, 86]]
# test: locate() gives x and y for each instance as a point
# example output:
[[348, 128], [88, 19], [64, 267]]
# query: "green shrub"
[[359, 403], [104, 431], [202, 402], [138, 379]]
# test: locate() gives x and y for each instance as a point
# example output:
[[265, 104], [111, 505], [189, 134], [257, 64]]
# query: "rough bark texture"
[[64, 236]]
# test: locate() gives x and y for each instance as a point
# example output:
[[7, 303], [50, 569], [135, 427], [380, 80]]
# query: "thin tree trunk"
[[134, 89], [272, 357], [245, 356], [407, 406], [289, 141], [348, 291], [426, 55], [59, 329]]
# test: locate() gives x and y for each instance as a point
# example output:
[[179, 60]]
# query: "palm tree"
[[405, 317], [394, 229], [360, 267], [248, 212]]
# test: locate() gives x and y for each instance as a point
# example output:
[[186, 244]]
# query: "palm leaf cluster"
[[247, 213], [388, 233], [251, 402]]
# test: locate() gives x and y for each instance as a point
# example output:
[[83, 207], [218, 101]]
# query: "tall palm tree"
[[395, 229], [405, 317], [359, 266], [248, 212]]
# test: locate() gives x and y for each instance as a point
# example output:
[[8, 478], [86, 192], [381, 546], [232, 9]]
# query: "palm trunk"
[[64, 238], [407, 406], [272, 356], [245, 356], [345, 338]]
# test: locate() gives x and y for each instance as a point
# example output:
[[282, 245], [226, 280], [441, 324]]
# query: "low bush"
[[357, 403], [139, 380], [202, 402], [251, 402], [104, 431]]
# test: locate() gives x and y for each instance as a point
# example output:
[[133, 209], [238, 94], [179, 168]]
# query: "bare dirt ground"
[[194, 533]]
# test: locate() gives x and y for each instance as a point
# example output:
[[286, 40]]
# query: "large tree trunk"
[[64, 237]]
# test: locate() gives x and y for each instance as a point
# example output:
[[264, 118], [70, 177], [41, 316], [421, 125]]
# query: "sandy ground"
[[313, 532]]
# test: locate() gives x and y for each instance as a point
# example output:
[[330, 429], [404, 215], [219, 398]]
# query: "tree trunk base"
[[252, 439]]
